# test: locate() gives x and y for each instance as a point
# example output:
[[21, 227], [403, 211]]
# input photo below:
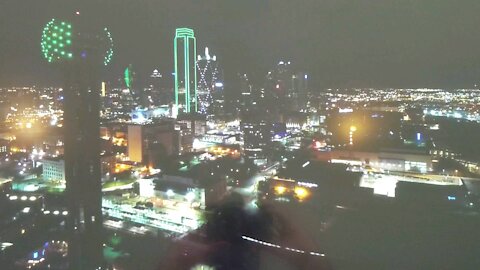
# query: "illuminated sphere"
[[57, 41], [62, 42]]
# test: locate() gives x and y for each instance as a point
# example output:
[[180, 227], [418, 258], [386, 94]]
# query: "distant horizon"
[[320, 89]]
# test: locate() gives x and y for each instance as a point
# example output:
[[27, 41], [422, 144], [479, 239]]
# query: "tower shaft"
[[82, 164]]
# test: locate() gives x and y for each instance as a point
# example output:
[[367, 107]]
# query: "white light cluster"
[[279, 247]]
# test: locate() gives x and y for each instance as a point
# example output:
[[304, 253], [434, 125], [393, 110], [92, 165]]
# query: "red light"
[[317, 144]]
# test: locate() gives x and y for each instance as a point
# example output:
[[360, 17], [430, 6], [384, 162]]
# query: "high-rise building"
[[298, 95], [118, 103], [81, 51], [128, 75], [185, 49], [240, 95], [246, 89], [152, 94], [257, 136], [146, 143], [218, 97], [207, 68], [287, 90], [279, 83]]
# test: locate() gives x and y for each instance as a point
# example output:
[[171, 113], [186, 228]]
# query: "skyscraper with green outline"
[[185, 50]]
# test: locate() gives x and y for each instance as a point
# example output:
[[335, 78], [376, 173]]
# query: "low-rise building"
[[383, 160], [184, 190], [53, 169], [4, 146]]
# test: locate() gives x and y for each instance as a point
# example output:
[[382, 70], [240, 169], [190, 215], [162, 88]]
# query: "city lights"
[[180, 152], [280, 190], [301, 192], [268, 244], [352, 130]]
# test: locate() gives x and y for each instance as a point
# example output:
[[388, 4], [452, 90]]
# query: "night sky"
[[341, 43]]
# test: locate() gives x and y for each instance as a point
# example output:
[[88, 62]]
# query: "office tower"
[[80, 51], [279, 84], [247, 100], [150, 96], [128, 76], [146, 143], [218, 95], [131, 90], [286, 89], [185, 49], [207, 68], [298, 95], [238, 95], [257, 136]]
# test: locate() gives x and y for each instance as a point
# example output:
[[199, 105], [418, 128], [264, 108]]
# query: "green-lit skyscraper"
[[185, 51]]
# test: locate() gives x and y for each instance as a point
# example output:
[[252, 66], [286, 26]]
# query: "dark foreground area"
[[381, 235]]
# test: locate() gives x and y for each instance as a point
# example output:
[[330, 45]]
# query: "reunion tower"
[[80, 49]]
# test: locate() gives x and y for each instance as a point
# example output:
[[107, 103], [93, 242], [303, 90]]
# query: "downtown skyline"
[[366, 44], [251, 134]]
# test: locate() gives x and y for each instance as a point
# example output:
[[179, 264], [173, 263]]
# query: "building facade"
[[53, 169], [383, 160], [146, 143], [257, 136]]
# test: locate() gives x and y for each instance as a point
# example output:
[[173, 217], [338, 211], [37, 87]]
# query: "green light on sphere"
[[53, 48], [109, 52], [59, 41]]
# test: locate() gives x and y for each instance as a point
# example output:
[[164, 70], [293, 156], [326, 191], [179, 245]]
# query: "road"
[[249, 191]]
